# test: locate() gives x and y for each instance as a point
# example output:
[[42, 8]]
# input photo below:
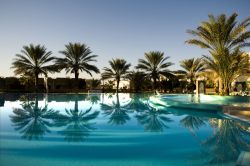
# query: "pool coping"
[[227, 111], [235, 113]]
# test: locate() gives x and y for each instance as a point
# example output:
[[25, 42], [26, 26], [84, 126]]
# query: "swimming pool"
[[114, 130], [202, 102]]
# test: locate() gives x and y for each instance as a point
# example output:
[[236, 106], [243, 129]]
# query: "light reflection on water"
[[108, 129]]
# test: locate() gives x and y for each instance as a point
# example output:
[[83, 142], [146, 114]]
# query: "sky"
[[111, 28]]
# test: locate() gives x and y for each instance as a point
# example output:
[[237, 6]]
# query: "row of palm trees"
[[34, 60], [222, 36]]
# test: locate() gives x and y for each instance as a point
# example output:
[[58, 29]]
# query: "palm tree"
[[118, 70], [33, 61], [77, 58], [192, 67], [223, 37], [95, 83], [155, 65], [228, 68], [33, 121], [137, 80]]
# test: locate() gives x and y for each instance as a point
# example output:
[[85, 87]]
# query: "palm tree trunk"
[[117, 85], [220, 86], [154, 85], [76, 78], [36, 82], [192, 87], [46, 84], [226, 88]]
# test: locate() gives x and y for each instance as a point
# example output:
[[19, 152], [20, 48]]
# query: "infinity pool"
[[114, 130]]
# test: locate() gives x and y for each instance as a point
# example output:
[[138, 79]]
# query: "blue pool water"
[[114, 130], [202, 102]]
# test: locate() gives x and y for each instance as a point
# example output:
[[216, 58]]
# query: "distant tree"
[[33, 61], [118, 69], [137, 80], [108, 85], [77, 58], [155, 65], [192, 68], [224, 38], [95, 83]]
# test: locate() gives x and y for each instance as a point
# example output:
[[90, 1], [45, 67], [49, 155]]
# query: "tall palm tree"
[[228, 68], [155, 65], [192, 67], [118, 70], [33, 61], [77, 58], [223, 37]]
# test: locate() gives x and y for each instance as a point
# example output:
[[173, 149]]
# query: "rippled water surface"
[[114, 130]]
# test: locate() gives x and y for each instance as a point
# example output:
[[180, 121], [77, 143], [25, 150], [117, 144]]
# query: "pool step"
[[243, 159]]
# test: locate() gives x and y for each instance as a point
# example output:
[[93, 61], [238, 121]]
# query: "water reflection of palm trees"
[[77, 123], [152, 119], [31, 121], [192, 122], [118, 114], [94, 99], [137, 104], [229, 139]]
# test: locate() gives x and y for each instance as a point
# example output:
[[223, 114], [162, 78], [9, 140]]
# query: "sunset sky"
[[111, 28]]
